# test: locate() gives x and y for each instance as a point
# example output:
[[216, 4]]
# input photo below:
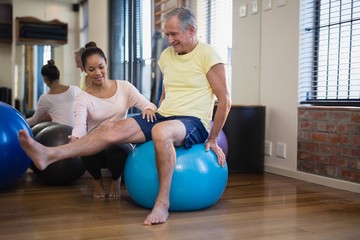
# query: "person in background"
[[193, 76], [105, 99], [57, 104], [84, 81]]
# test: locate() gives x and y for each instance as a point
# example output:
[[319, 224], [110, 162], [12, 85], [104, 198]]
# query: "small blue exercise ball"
[[13, 160], [198, 181]]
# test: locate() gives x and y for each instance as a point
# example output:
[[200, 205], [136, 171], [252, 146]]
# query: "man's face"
[[181, 40]]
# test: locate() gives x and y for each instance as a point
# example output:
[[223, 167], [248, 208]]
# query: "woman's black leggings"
[[112, 158]]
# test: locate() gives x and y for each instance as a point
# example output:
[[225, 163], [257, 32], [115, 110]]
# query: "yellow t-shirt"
[[188, 92]]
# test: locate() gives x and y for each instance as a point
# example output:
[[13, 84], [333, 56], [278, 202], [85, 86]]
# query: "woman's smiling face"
[[96, 68]]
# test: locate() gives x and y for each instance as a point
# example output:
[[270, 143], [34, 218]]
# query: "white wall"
[[99, 24], [265, 60], [279, 79], [245, 84]]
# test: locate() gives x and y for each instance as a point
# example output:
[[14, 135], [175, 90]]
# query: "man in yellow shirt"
[[193, 75]]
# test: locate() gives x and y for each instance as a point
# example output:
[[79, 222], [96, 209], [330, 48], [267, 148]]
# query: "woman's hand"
[[149, 114]]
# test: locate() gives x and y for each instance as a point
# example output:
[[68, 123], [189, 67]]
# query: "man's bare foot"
[[34, 150], [114, 191], [159, 214], [99, 191]]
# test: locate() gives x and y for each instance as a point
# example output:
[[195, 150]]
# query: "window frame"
[[312, 94]]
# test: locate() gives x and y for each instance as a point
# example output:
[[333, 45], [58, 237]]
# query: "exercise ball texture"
[[40, 126], [222, 140], [198, 181], [13, 160], [62, 172]]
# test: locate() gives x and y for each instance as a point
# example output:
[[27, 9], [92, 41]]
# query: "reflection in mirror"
[[35, 57]]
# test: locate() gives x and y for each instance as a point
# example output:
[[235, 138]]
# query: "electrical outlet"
[[254, 6], [281, 150], [267, 5], [281, 3], [243, 11], [268, 148]]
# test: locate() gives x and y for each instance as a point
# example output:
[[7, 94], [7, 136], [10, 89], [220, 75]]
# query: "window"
[[329, 70], [84, 23], [130, 42]]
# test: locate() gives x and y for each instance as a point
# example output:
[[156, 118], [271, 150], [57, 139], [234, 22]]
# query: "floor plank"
[[253, 206]]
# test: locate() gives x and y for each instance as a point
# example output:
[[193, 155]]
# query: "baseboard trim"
[[307, 177]]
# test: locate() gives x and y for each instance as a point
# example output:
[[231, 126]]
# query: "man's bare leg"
[[124, 131], [166, 164], [165, 136]]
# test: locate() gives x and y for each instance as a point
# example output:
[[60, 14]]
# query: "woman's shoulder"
[[75, 88], [125, 88], [124, 84], [44, 97], [82, 94]]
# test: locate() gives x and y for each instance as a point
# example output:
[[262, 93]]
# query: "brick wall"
[[329, 142]]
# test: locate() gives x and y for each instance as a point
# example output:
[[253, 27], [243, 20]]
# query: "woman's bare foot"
[[99, 191], [159, 214], [114, 191], [36, 151]]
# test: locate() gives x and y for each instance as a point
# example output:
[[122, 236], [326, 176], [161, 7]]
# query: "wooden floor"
[[259, 206]]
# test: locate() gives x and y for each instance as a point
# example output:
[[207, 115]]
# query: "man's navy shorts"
[[195, 130]]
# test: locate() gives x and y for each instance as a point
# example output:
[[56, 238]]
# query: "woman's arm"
[[80, 117], [41, 112]]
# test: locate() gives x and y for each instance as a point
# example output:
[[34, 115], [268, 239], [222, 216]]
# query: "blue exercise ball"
[[198, 181], [13, 160]]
